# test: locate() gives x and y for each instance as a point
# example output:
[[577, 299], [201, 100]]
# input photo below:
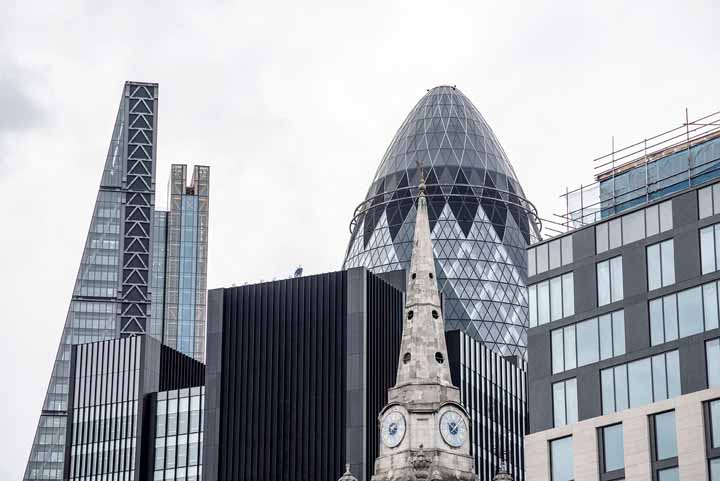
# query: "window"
[[612, 452], [609, 281], [660, 264], [633, 227], [712, 355], [712, 436], [551, 255], [587, 342], [709, 201], [552, 299], [684, 313], [561, 459], [565, 402], [714, 414], [663, 439], [710, 248], [640, 382]]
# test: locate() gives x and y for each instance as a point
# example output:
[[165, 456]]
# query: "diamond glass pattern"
[[480, 220]]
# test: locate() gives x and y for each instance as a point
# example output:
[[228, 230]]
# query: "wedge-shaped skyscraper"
[[480, 221], [113, 292]]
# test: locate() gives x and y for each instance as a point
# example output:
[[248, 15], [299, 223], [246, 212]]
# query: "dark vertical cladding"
[[178, 371], [493, 390], [384, 333], [282, 380], [138, 206]]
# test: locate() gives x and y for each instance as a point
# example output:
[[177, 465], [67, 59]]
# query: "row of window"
[[633, 227], [552, 299], [588, 341], [663, 443], [684, 313], [640, 382], [633, 384], [551, 255]]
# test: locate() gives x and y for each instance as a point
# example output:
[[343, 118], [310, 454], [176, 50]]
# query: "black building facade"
[[111, 405], [297, 371]]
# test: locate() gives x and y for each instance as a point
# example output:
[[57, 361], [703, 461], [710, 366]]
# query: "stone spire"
[[502, 474], [348, 475], [423, 354]]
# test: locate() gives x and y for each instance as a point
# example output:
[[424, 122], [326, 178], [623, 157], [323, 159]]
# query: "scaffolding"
[[642, 172]]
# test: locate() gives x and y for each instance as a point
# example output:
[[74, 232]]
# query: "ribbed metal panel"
[[283, 377], [384, 333], [493, 391]]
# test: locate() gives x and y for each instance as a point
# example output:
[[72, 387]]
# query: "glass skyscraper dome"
[[481, 222]]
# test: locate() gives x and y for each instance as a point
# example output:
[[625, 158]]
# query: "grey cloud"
[[18, 109]]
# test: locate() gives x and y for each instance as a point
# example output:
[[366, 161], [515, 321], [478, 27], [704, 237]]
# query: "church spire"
[[423, 354]]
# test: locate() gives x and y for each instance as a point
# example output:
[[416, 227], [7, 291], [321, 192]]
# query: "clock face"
[[452, 428], [393, 429]]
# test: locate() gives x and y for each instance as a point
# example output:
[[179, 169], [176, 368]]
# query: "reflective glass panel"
[[654, 272], [665, 436], [712, 352], [715, 420], [616, 274], [561, 459], [587, 342], [669, 474], [633, 226], [710, 305], [556, 302], [715, 469], [603, 283], [568, 295], [707, 249], [640, 382], [690, 312], [613, 447]]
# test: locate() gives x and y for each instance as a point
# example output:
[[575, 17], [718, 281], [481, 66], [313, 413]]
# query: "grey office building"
[[624, 338], [115, 287]]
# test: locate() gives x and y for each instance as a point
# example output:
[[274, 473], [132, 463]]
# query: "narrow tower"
[[424, 427]]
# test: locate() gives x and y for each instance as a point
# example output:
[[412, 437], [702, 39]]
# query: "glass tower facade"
[[180, 263], [122, 281], [481, 222]]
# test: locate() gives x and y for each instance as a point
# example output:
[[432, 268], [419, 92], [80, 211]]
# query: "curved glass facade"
[[481, 222]]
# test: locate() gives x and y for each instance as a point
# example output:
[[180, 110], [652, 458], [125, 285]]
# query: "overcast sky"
[[293, 105]]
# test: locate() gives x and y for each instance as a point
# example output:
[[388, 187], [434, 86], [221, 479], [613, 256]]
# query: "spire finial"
[[348, 475]]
